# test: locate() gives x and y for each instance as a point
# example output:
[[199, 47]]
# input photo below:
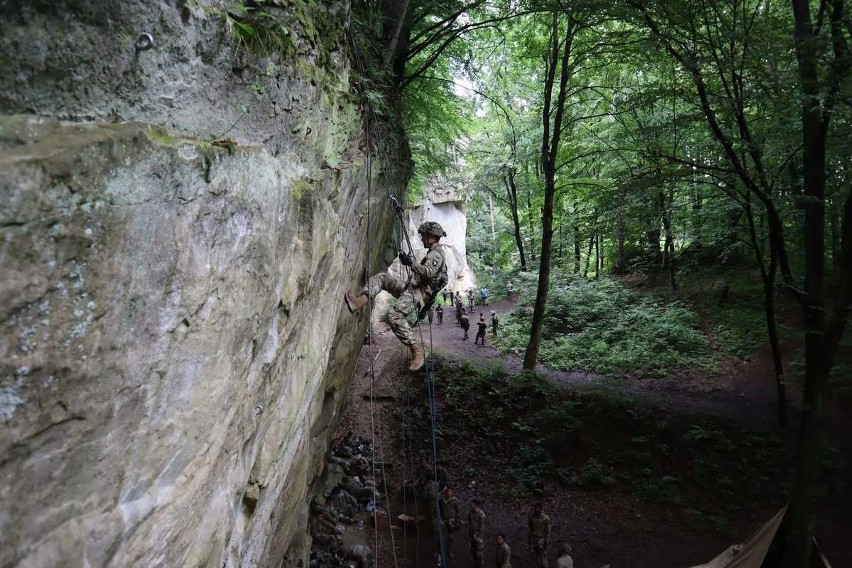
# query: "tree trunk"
[[668, 244], [396, 35], [589, 255], [558, 55], [767, 277], [597, 257], [654, 254], [620, 262], [575, 234], [822, 333], [493, 237], [512, 192], [530, 218]]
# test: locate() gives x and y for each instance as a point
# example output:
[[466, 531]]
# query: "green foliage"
[[595, 473], [730, 300], [539, 437], [605, 327], [257, 30]]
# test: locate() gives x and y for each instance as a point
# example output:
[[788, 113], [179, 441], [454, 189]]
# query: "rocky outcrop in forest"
[[181, 209]]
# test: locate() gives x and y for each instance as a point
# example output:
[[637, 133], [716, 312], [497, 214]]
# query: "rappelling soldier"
[[416, 294]]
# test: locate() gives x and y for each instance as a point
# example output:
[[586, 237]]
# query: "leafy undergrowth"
[[604, 326], [534, 438], [730, 302]]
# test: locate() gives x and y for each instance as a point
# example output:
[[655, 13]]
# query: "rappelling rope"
[[372, 124], [369, 173]]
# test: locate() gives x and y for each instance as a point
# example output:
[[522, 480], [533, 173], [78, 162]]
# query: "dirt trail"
[[745, 396], [617, 530]]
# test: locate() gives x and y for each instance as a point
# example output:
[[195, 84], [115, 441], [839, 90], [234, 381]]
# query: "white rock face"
[[450, 215]]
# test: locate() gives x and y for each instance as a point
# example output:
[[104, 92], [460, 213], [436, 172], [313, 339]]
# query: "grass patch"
[[604, 326]]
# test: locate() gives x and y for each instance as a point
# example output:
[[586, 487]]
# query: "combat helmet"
[[431, 228]]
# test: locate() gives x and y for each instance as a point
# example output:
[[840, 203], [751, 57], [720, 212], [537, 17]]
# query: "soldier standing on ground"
[[503, 555], [565, 560], [510, 289], [494, 321], [539, 536], [482, 326], [439, 311], [470, 301], [465, 323], [476, 533], [484, 295], [426, 278], [451, 516]]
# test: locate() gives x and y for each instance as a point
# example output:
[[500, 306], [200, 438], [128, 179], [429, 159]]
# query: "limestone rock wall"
[[173, 351]]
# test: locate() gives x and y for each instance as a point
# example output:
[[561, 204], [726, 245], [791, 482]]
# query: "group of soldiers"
[[354, 493], [463, 320], [443, 512], [463, 315]]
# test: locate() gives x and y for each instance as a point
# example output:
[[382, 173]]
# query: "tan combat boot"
[[355, 303], [417, 358]]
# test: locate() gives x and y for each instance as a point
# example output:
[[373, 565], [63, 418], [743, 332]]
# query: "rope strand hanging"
[[373, 140]]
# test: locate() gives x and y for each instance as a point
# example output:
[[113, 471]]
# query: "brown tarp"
[[751, 553]]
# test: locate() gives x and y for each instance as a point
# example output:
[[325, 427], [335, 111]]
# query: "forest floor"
[[629, 523]]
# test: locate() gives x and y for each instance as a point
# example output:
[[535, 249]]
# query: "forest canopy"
[[646, 137]]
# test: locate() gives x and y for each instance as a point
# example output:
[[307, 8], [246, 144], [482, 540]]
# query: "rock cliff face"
[[174, 351]]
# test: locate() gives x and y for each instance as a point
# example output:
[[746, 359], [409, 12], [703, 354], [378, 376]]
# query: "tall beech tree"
[[558, 71]]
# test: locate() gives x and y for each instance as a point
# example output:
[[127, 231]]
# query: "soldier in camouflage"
[[476, 533], [538, 536], [412, 295]]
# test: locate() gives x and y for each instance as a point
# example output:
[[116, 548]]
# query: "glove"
[[405, 259]]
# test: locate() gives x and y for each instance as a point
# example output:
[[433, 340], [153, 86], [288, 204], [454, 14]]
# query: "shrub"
[[605, 327]]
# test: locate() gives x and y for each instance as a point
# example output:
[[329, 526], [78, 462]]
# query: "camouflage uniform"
[[480, 334], [476, 533], [465, 324], [539, 536], [503, 556], [451, 517], [410, 295]]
